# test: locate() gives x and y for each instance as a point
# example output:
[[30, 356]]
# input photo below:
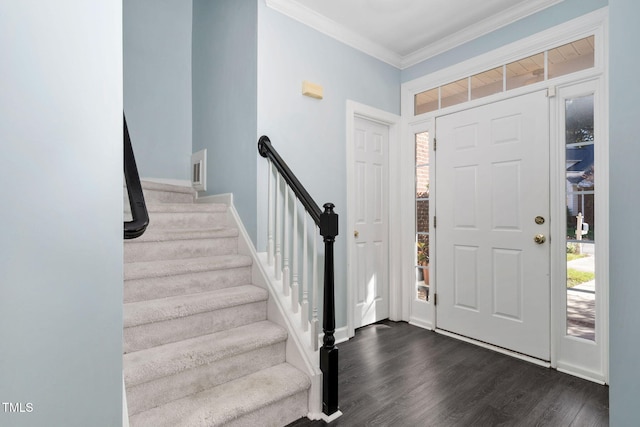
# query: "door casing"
[[355, 109], [594, 23]]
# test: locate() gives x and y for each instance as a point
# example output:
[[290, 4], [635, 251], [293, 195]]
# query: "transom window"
[[568, 58]]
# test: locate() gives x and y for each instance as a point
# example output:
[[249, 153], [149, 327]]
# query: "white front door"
[[493, 224], [369, 258]]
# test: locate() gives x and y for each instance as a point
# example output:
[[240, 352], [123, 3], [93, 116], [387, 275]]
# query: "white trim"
[[329, 418], [594, 23], [495, 348], [579, 76], [125, 408], [334, 30], [355, 109], [297, 354], [557, 247], [591, 23], [583, 358], [419, 313], [421, 324], [477, 30], [602, 207], [341, 335], [355, 40], [576, 371]]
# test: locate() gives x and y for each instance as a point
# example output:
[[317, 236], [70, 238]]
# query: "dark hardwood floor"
[[395, 374]]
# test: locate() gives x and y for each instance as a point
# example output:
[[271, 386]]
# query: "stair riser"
[[160, 391], [161, 287], [170, 220], [179, 249], [277, 414], [274, 396], [154, 196], [158, 333], [235, 375]]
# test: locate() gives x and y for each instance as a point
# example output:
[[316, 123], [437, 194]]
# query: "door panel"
[[370, 261], [493, 180]]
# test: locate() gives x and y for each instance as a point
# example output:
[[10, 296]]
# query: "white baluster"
[[270, 218], [294, 286], [278, 255], [305, 275], [314, 320], [286, 277]]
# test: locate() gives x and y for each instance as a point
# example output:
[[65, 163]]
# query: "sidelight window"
[[581, 220], [422, 215]]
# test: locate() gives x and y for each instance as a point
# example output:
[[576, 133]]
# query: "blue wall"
[[550, 17], [310, 134], [157, 85], [61, 246], [624, 207], [224, 99]]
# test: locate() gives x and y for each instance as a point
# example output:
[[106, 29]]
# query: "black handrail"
[[327, 221], [140, 217], [266, 150]]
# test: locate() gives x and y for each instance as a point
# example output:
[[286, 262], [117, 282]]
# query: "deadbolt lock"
[[356, 234], [539, 220]]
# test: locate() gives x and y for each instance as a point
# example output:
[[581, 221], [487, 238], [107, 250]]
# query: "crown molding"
[[479, 29], [349, 37], [337, 31]]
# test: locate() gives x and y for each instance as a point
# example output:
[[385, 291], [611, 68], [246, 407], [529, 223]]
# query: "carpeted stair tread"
[[168, 235], [229, 401], [170, 188], [149, 269], [163, 309], [186, 207], [169, 359], [199, 350]]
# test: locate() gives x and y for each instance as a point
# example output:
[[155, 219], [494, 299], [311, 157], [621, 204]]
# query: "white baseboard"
[[296, 353], [341, 335], [579, 372], [420, 323], [125, 409], [332, 417]]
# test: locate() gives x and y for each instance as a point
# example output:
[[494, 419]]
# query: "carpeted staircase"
[[199, 350]]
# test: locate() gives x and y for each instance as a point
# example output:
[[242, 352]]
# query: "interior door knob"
[[539, 239], [356, 234]]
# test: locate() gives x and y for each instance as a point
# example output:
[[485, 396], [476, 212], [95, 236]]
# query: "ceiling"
[[405, 32]]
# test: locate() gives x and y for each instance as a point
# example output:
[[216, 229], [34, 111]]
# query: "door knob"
[[539, 239], [356, 234]]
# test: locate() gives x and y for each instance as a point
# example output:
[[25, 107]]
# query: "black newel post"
[[329, 352]]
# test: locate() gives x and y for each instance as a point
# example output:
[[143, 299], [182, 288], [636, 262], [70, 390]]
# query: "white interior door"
[[492, 202], [370, 253]]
